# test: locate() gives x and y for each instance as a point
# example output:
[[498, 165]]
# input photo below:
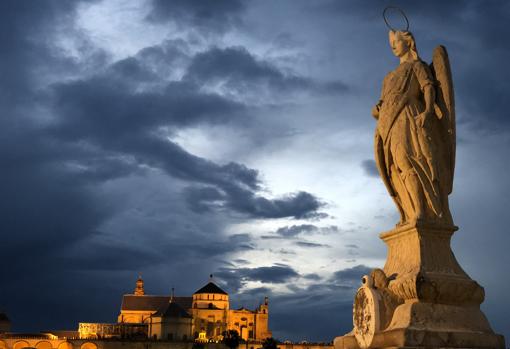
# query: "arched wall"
[[43, 345], [88, 345], [20, 345]]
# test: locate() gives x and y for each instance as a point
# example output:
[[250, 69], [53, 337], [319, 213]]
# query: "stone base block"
[[419, 325], [422, 298], [409, 338]]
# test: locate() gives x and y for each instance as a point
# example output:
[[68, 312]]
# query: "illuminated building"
[[206, 314]]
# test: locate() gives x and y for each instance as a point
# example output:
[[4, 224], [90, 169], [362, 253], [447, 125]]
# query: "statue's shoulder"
[[422, 70], [420, 65]]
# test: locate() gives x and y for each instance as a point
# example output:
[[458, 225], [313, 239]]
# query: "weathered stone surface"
[[422, 297], [415, 133], [428, 299]]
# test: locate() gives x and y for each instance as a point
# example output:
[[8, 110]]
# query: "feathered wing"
[[445, 110]]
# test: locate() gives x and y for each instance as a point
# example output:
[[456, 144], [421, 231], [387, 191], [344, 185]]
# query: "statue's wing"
[[445, 107]]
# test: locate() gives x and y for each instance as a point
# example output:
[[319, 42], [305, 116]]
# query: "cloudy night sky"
[[181, 138]]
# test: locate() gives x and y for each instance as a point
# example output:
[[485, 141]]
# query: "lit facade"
[[208, 310]]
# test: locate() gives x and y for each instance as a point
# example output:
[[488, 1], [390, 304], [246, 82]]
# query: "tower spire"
[[139, 290]]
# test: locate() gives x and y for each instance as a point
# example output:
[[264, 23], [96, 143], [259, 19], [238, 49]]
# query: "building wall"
[[243, 322], [211, 321], [135, 316], [171, 329], [210, 300], [38, 343]]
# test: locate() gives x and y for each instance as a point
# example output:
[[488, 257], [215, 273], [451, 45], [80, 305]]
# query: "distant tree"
[[231, 339], [197, 345], [270, 343]]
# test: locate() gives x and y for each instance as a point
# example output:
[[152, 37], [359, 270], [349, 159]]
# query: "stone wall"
[[43, 343]]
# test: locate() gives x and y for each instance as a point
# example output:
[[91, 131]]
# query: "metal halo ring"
[[401, 12]]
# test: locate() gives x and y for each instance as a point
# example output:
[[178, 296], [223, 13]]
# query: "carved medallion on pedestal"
[[365, 313]]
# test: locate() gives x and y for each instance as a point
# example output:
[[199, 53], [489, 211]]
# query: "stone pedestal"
[[423, 298]]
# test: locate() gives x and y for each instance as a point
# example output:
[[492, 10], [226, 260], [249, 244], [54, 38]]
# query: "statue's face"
[[398, 45]]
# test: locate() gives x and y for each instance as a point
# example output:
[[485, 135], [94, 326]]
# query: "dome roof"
[[211, 288], [173, 310]]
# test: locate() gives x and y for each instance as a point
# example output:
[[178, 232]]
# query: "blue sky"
[[182, 138]]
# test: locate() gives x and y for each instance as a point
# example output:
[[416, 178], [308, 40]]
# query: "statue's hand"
[[375, 110], [422, 118]]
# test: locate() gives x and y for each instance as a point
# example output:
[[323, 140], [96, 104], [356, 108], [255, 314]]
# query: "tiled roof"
[[211, 288], [173, 310], [152, 303]]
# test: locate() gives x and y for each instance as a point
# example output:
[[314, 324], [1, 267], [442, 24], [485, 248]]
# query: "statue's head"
[[402, 42]]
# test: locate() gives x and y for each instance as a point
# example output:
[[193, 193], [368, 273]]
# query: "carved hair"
[[409, 40]]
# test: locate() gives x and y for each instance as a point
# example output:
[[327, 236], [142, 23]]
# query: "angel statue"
[[415, 134]]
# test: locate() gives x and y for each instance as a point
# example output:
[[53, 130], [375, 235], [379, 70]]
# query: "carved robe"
[[403, 148]]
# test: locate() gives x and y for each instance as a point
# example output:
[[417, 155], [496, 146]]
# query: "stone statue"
[[422, 298], [415, 135]]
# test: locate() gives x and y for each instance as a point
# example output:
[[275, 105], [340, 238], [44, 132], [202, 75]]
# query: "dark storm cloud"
[[245, 201], [367, 9], [52, 202], [370, 168], [49, 203], [312, 276], [119, 121], [104, 127], [294, 230], [274, 275], [472, 35], [203, 199], [350, 276], [108, 112], [317, 300], [241, 261], [103, 256], [104, 108], [310, 244], [132, 69], [352, 246], [241, 71], [301, 205], [217, 15], [22, 29], [271, 237], [237, 278], [257, 292]]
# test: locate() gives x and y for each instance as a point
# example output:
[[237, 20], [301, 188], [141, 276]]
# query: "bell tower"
[[139, 291]]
